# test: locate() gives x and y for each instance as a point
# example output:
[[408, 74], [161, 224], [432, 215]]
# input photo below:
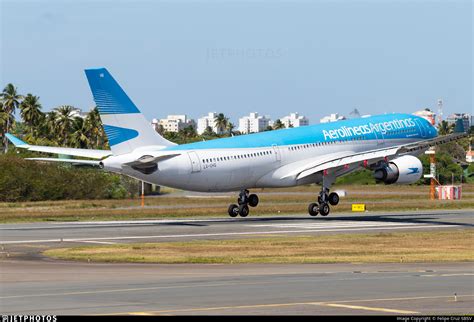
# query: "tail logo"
[[117, 135]]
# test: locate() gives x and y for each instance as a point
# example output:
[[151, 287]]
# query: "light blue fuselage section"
[[266, 159]]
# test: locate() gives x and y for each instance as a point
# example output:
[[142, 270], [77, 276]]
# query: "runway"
[[48, 287], [31, 283], [51, 233]]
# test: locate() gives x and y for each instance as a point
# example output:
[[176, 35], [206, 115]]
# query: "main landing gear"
[[244, 201], [324, 199]]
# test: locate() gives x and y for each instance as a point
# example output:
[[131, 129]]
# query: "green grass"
[[377, 198], [433, 246]]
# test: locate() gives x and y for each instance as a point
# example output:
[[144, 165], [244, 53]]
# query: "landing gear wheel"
[[333, 198], [324, 209], [253, 200], [313, 209], [243, 210], [233, 210]]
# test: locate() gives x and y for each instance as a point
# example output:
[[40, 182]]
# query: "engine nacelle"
[[403, 170]]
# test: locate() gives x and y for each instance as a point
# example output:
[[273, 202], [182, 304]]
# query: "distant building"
[[332, 118], [208, 121], [294, 120], [173, 123], [77, 112], [465, 117], [253, 123], [427, 114]]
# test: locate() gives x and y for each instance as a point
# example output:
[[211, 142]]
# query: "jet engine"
[[403, 170]]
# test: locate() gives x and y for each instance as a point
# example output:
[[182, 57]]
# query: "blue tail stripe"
[[117, 135], [108, 95]]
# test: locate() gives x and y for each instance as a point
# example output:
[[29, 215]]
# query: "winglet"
[[16, 141]]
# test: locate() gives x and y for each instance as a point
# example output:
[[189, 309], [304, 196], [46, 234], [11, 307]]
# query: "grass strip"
[[432, 246]]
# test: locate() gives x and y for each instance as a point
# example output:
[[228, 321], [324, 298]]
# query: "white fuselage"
[[209, 170]]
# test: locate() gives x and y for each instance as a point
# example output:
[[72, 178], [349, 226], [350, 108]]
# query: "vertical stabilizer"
[[124, 124]]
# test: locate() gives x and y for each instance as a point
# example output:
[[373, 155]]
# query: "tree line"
[[59, 127]]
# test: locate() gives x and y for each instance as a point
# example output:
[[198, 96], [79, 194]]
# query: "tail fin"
[[124, 124]]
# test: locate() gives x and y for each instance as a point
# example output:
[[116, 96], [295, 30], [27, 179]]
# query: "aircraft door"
[[421, 127], [195, 163], [277, 152], [379, 137]]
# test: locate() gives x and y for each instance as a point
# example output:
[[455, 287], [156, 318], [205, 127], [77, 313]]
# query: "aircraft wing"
[[85, 153], [370, 157]]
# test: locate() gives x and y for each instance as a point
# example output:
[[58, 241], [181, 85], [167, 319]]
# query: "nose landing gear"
[[244, 201]]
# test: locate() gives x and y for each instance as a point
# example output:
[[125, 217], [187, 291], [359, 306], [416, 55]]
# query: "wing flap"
[[372, 156]]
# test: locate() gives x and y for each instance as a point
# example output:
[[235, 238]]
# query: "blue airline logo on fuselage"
[[381, 127]]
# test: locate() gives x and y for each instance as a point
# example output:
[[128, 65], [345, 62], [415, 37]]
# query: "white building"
[[173, 123], [427, 114], [208, 121], [332, 118], [77, 112], [253, 123], [294, 120]]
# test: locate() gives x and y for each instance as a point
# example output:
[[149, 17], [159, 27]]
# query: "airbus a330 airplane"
[[386, 144]]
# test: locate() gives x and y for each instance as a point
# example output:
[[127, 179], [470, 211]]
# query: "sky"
[[237, 57]]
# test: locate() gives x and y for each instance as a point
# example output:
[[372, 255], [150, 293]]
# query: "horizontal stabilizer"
[[84, 153]]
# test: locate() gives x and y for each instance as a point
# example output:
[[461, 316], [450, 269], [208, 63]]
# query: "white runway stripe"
[[271, 232], [338, 224]]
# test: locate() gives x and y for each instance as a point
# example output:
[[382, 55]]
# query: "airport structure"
[[208, 121], [294, 120], [334, 117], [465, 118], [253, 123]]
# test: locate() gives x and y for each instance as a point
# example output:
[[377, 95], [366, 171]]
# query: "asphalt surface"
[[31, 283]]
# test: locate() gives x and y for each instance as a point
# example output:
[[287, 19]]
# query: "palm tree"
[[188, 132], [278, 125], [221, 122], [445, 128], [11, 100], [230, 127], [80, 136], [64, 122], [93, 124], [3, 120], [208, 132], [47, 128], [31, 113]]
